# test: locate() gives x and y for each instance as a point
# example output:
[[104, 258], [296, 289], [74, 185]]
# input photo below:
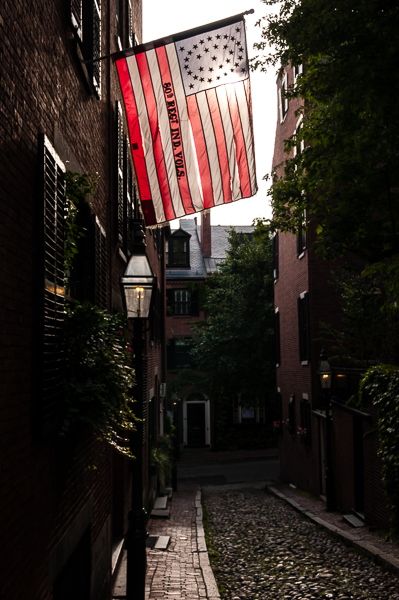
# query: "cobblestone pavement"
[[267, 551]]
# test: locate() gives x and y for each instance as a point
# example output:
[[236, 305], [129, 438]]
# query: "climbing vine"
[[381, 383], [99, 376]]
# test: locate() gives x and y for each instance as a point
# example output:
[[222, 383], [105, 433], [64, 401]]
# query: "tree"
[[235, 346], [348, 176]]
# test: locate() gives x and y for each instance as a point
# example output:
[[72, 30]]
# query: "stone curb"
[[383, 559], [212, 592]]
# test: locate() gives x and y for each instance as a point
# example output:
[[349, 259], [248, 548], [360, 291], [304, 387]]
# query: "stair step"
[[353, 521], [162, 542], [161, 503], [160, 514]]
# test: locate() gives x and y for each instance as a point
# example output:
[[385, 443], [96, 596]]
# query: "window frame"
[[178, 235], [303, 328]]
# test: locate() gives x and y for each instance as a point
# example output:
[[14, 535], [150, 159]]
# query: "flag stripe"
[[144, 125], [239, 141], [229, 135], [202, 155], [190, 158], [156, 139], [210, 141], [246, 124], [221, 142], [134, 130], [174, 131], [163, 132]]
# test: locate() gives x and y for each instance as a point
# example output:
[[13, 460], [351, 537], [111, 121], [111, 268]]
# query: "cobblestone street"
[[266, 550]]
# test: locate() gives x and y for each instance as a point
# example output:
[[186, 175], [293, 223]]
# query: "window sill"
[[304, 363], [300, 256]]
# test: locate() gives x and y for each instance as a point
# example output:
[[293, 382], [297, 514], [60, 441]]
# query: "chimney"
[[206, 240]]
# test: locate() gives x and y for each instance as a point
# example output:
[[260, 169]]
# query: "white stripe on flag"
[[164, 127], [147, 138], [229, 135], [247, 132], [190, 157], [212, 149]]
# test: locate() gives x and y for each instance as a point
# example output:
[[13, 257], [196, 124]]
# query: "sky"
[[166, 17]]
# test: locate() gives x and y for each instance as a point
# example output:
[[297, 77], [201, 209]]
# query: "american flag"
[[188, 109]]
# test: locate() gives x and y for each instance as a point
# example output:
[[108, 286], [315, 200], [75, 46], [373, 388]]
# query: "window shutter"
[[170, 302], [280, 105], [100, 272], [277, 335], [144, 394], [76, 17], [97, 46], [195, 303], [120, 173], [286, 101], [170, 354], [291, 414], [54, 294], [130, 34], [303, 326], [275, 256]]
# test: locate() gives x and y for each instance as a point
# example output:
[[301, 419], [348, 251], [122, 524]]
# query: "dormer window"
[[178, 251]]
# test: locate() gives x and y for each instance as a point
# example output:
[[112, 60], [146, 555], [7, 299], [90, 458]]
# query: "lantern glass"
[[325, 374], [137, 284]]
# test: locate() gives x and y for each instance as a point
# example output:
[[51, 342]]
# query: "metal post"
[[330, 496], [137, 533]]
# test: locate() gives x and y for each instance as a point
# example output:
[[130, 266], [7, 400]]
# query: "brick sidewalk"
[[182, 572]]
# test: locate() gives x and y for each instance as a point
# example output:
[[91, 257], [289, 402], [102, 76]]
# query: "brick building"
[[194, 252], [304, 298], [64, 504]]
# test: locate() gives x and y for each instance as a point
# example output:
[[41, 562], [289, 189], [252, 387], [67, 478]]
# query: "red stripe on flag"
[[156, 138], [241, 153], [202, 155], [221, 143], [136, 142], [180, 161]]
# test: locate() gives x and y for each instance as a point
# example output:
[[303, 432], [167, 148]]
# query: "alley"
[[265, 550]]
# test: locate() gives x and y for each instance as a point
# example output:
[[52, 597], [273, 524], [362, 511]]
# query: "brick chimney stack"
[[206, 239]]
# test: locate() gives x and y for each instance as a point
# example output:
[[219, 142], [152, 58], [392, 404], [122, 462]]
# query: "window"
[[178, 254], [282, 100], [303, 326], [298, 70], [85, 19], [277, 336], [300, 145], [275, 256], [178, 353], [182, 302], [279, 414], [306, 422], [53, 188]]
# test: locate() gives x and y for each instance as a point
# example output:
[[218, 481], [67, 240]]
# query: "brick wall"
[[48, 485]]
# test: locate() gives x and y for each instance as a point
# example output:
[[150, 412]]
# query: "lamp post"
[[137, 285], [175, 408], [325, 373]]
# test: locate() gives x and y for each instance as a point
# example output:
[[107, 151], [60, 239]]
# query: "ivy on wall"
[[381, 383]]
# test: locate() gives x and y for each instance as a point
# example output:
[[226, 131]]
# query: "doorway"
[[196, 421]]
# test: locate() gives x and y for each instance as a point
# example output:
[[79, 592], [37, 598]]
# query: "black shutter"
[[120, 175], [76, 17], [92, 42], [306, 421], [170, 302], [291, 415], [277, 337], [194, 298], [100, 266], [275, 256], [144, 395], [54, 205], [170, 355], [303, 327]]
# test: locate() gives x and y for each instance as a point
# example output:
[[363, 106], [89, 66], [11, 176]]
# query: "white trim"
[[303, 294], [305, 396]]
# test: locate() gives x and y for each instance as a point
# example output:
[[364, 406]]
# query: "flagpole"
[[120, 52]]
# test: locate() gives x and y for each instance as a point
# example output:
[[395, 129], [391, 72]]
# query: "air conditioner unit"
[[162, 390]]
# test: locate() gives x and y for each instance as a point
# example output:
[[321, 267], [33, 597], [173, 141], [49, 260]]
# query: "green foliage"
[[162, 459], [382, 385], [99, 376], [347, 177], [370, 322], [235, 346], [78, 188]]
